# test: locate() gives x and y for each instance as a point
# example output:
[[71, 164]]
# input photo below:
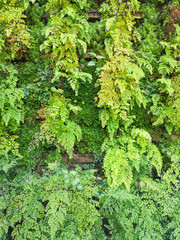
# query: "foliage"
[[11, 114], [11, 96], [64, 44], [171, 166], [57, 127], [88, 118], [36, 22], [31, 149], [130, 155], [119, 79], [148, 214], [14, 36], [168, 66], [9, 151], [56, 206], [108, 86], [161, 87], [36, 83], [97, 36]]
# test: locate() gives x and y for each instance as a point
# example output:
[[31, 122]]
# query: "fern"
[[130, 154], [15, 37], [65, 44], [9, 151], [117, 169], [141, 133], [51, 207], [171, 152], [134, 71], [13, 113], [138, 215], [57, 128], [143, 62], [155, 156], [167, 114], [104, 117], [120, 76], [122, 212], [167, 65], [166, 85], [67, 138], [11, 105], [164, 108]]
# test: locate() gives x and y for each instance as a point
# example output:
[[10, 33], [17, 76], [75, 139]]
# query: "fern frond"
[[140, 132], [104, 117], [167, 65], [117, 169], [155, 156]]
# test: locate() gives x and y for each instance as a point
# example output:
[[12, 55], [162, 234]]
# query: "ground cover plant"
[[107, 84]]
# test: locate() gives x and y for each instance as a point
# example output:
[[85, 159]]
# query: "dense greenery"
[[111, 87]]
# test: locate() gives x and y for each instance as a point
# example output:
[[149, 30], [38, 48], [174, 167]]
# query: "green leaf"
[[91, 63]]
